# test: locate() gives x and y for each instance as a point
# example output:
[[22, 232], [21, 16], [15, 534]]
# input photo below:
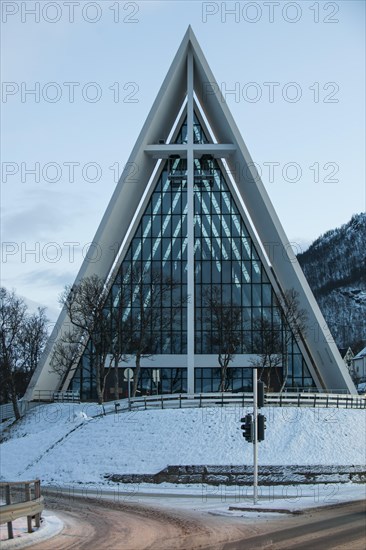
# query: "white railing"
[[73, 396], [7, 410], [216, 399]]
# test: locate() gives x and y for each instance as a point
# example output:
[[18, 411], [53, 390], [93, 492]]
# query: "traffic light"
[[261, 426], [247, 427], [260, 394]]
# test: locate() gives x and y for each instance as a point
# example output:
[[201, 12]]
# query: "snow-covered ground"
[[51, 526], [62, 444]]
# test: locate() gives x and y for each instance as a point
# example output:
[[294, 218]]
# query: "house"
[[347, 356], [359, 366]]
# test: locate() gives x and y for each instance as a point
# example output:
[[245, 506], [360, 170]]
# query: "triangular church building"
[[191, 207]]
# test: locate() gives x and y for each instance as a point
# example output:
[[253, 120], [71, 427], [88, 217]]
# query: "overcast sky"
[[292, 73]]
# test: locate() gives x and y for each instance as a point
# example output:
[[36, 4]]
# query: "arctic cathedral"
[[190, 208]]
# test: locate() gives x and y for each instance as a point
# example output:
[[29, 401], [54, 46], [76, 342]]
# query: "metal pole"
[[129, 389], [255, 441], [8, 501]]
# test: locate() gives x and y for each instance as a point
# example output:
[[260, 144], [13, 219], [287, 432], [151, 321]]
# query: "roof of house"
[[344, 351], [360, 354]]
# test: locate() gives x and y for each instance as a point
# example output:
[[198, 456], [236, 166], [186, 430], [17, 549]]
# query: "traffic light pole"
[[255, 438]]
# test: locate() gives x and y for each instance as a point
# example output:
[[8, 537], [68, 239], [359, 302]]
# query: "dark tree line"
[[23, 336]]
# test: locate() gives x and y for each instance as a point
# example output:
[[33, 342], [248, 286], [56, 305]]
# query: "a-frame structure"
[[188, 131]]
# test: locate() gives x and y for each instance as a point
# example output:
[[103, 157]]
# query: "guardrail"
[[285, 399], [29, 507]]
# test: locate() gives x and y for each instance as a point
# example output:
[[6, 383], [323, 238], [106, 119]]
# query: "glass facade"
[[226, 263]]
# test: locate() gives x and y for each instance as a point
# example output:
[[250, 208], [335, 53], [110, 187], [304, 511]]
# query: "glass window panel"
[[247, 296], [236, 273], [167, 269], [254, 253], [176, 248], [166, 248], [297, 365], [267, 314], [277, 318], [155, 202], [247, 318], [226, 293], [156, 226], [236, 249], [256, 272], [257, 314], [217, 250], [308, 383], [206, 225], [184, 250], [206, 252], [236, 294], [235, 226], [225, 203], [295, 348], [146, 250], [247, 271], [146, 226], [184, 225], [216, 273], [156, 249], [226, 272], [266, 295], [226, 247], [177, 203], [256, 289], [166, 203], [216, 224], [206, 271], [167, 227], [245, 249], [306, 371]]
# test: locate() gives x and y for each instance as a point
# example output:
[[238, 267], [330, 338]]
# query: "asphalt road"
[[102, 524], [339, 527]]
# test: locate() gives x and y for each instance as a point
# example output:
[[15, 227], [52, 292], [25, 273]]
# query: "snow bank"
[[60, 443], [51, 526]]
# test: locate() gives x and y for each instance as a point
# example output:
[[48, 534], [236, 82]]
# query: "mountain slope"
[[335, 267]]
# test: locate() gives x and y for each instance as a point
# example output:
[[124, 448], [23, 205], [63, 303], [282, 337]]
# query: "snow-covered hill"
[[60, 443], [335, 267]]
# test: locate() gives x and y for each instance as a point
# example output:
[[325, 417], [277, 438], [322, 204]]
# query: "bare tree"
[[268, 342], [146, 321], [119, 330], [274, 338], [294, 326], [225, 321], [22, 339], [90, 331], [109, 325], [67, 352], [35, 337]]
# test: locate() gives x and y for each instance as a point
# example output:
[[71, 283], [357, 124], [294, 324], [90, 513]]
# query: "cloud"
[[48, 277]]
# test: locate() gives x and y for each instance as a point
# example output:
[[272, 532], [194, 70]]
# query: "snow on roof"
[[360, 354]]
